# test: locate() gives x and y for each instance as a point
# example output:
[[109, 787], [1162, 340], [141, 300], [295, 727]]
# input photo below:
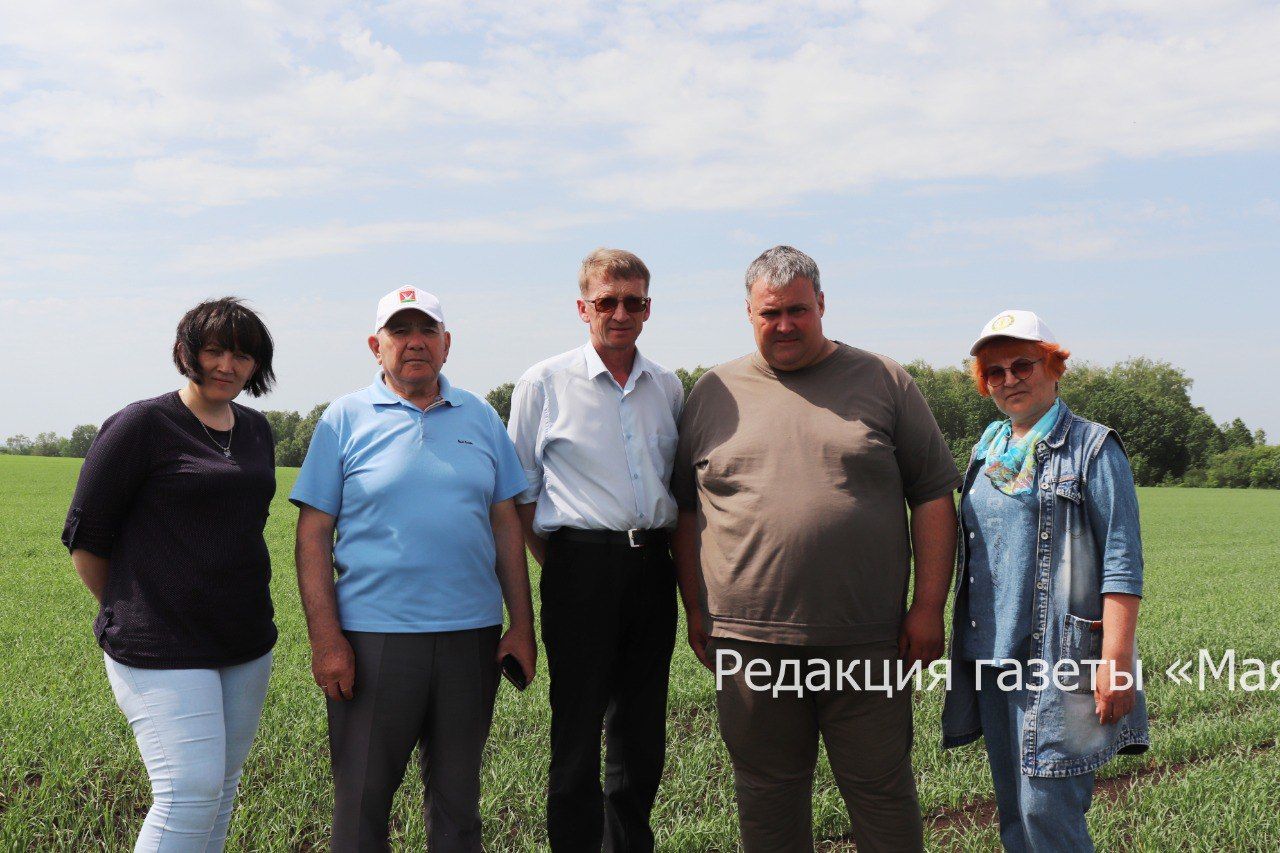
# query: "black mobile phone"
[[514, 672]]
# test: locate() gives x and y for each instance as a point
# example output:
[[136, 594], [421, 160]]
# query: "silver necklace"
[[226, 451]]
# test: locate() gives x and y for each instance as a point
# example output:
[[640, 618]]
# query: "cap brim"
[[402, 309], [973, 350]]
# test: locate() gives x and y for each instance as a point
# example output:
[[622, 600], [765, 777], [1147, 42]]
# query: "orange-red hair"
[[1055, 358]]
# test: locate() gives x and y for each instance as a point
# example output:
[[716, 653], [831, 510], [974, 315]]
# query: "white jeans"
[[194, 728]]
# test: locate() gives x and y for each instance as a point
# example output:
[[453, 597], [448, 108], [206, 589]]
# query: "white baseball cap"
[[403, 298], [1024, 325]]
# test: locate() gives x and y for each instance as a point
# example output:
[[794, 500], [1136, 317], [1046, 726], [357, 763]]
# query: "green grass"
[[70, 776]]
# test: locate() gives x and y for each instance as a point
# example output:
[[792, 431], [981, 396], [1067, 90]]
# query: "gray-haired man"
[[794, 471]]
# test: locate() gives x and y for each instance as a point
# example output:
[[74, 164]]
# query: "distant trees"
[[1149, 404], [500, 399], [688, 378], [81, 437], [52, 444], [47, 444], [1236, 434], [1256, 467], [19, 445], [293, 433], [1170, 440]]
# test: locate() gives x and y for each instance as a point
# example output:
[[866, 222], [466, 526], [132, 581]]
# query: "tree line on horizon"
[[1170, 440]]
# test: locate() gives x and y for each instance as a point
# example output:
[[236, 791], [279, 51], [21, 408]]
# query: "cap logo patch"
[[1004, 321], [408, 295]]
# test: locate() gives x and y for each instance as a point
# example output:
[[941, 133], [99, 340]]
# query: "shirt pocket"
[[1071, 505], [1081, 641], [1068, 487]]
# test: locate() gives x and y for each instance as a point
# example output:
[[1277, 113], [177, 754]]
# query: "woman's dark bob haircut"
[[229, 324]]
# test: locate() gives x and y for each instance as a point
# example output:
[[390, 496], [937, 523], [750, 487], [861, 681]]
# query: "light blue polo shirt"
[[411, 490]]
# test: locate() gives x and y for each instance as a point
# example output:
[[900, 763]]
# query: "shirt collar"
[[384, 396], [595, 365], [1061, 426]]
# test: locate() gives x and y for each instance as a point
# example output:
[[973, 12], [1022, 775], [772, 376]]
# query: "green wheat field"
[[71, 779]]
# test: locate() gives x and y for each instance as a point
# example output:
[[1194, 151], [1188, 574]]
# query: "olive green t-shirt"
[[801, 480]]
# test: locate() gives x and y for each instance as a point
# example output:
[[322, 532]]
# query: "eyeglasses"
[[631, 304], [1021, 369]]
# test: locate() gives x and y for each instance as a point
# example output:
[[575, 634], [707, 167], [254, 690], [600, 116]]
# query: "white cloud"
[[1141, 229], [496, 18], [192, 183], [1065, 236], [721, 105], [226, 254]]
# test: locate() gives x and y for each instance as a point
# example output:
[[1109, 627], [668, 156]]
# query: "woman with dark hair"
[[165, 530], [1043, 649]]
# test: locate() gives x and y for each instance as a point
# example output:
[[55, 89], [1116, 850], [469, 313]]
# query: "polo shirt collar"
[[595, 365], [381, 395]]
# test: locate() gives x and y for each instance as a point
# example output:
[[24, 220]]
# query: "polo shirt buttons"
[[1046, 486], [1044, 535], [971, 534], [1041, 585], [1036, 635], [973, 624]]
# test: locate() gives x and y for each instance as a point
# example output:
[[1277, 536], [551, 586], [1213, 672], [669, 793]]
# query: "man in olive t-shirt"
[[793, 474]]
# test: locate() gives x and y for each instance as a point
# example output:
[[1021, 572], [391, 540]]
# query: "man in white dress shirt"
[[595, 429]]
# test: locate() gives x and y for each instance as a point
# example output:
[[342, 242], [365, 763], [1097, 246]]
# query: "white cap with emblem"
[[1024, 325], [405, 298]]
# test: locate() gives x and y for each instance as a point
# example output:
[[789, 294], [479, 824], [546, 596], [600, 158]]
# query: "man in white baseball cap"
[[404, 299], [418, 479], [1014, 323]]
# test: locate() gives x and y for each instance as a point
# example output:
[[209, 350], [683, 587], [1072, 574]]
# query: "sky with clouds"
[[1114, 166]]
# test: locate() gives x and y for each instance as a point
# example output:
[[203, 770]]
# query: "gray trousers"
[[773, 742], [434, 691]]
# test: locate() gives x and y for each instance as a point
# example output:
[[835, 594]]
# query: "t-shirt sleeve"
[[319, 482], [684, 485], [527, 400], [114, 468], [924, 461], [509, 476], [1112, 504]]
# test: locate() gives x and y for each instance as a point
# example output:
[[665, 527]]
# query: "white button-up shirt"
[[597, 455]]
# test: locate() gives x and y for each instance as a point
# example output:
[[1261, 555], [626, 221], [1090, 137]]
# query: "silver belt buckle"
[[631, 538]]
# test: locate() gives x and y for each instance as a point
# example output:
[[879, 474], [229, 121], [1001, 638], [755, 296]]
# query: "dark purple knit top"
[[181, 524]]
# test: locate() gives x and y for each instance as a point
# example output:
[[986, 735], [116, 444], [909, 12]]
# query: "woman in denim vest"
[[1050, 578]]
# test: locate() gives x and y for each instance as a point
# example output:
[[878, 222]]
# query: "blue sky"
[[1111, 165]]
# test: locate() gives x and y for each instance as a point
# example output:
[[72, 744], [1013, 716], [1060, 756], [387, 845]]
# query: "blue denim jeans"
[[1036, 813], [194, 728]]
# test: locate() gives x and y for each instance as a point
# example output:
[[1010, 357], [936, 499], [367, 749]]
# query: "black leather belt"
[[634, 538]]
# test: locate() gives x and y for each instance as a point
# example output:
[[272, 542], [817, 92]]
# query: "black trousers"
[[434, 691], [608, 625]]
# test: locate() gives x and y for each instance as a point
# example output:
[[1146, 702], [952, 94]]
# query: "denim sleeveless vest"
[[1061, 734]]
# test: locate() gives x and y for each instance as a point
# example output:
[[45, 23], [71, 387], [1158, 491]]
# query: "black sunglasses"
[[1020, 369], [609, 304]]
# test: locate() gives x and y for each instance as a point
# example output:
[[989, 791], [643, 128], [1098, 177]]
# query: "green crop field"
[[71, 779]]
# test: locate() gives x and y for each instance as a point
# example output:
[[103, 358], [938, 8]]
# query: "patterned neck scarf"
[[1012, 465]]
